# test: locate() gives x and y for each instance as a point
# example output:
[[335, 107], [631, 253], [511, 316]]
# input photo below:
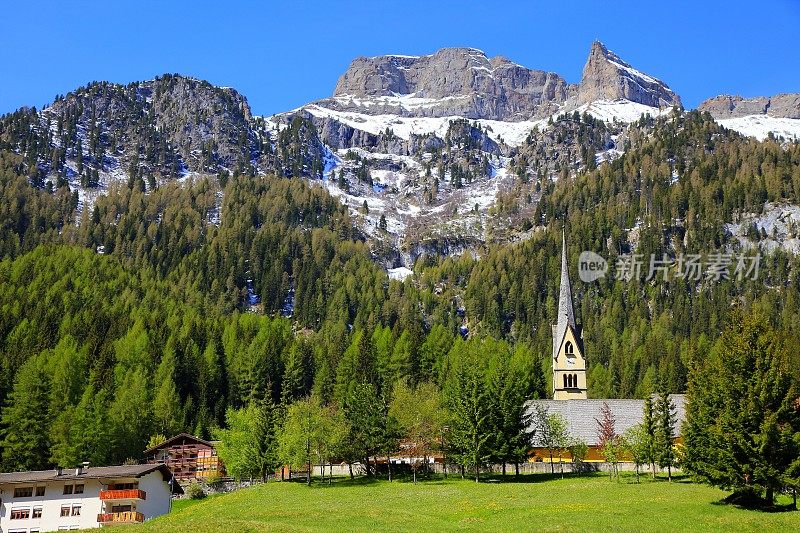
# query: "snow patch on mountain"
[[760, 126], [400, 273], [623, 111], [511, 133], [408, 102]]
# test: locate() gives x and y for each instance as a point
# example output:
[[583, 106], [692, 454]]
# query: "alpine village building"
[[86, 497], [570, 389], [190, 458]]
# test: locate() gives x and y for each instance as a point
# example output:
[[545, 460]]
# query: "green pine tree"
[[665, 431], [25, 426], [741, 423]]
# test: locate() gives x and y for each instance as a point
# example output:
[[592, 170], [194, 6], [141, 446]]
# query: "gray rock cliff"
[[462, 81], [607, 77], [785, 105]]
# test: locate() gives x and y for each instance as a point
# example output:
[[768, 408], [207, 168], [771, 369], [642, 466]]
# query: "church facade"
[[570, 387]]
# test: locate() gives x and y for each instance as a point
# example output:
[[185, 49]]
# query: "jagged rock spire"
[[607, 77], [566, 313]]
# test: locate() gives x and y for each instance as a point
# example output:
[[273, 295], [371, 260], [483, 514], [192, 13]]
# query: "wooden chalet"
[[190, 458]]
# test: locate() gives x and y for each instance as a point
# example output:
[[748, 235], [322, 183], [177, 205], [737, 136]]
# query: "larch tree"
[[635, 443], [420, 416], [305, 433], [550, 433], [25, 423]]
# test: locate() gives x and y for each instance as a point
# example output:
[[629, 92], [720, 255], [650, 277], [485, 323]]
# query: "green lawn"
[[535, 504]]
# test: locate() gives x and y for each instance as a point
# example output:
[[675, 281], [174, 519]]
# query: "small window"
[[65, 510], [20, 514], [568, 348], [68, 489], [23, 492], [37, 512], [79, 489], [76, 510], [40, 491]]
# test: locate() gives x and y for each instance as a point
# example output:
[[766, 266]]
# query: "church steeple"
[[566, 313], [569, 364]]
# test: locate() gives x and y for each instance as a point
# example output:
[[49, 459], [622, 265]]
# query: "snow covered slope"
[[760, 126], [511, 133], [623, 111]]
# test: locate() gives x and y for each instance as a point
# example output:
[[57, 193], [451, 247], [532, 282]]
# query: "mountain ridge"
[[466, 82], [782, 105], [419, 148]]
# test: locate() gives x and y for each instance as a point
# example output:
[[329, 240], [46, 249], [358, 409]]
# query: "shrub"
[[195, 492]]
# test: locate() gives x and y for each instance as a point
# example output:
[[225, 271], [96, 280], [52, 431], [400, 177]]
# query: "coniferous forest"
[[181, 323]]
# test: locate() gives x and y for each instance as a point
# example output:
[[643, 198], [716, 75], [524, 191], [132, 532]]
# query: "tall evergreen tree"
[[742, 423], [665, 432], [649, 427], [508, 392], [469, 405], [166, 402], [26, 423], [366, 420]]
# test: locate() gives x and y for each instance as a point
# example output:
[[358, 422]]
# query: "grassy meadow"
[[535, 503]]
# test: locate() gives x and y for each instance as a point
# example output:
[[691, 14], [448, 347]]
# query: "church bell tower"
[[569, 361]]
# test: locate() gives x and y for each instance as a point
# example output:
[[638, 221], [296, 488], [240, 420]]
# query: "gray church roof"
[[581, 415], [566, 313]]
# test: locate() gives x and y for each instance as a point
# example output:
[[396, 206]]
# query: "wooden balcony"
[[126, 494], [128, 517]]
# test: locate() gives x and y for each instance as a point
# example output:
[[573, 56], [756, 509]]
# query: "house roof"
[[581, 416], [93, 472], [177, 437]]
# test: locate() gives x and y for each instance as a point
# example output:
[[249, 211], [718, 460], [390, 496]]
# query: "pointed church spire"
[[569, 361], [566, 313]]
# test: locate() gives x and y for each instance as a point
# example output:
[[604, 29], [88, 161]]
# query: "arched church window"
[[575, 380], [565, 381], [568, 348]]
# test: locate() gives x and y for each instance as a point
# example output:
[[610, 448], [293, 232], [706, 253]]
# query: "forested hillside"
[[170, 302]]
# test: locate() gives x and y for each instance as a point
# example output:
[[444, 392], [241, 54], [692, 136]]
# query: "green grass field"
[[535, 504]]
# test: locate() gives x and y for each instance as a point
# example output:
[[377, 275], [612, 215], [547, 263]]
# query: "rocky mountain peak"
[[452, 81], [607, 77], [192, 124]]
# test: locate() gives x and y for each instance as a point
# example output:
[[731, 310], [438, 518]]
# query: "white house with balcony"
[[85, 497]]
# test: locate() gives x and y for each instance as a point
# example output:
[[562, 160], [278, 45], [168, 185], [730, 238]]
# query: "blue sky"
[[283, 54]]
